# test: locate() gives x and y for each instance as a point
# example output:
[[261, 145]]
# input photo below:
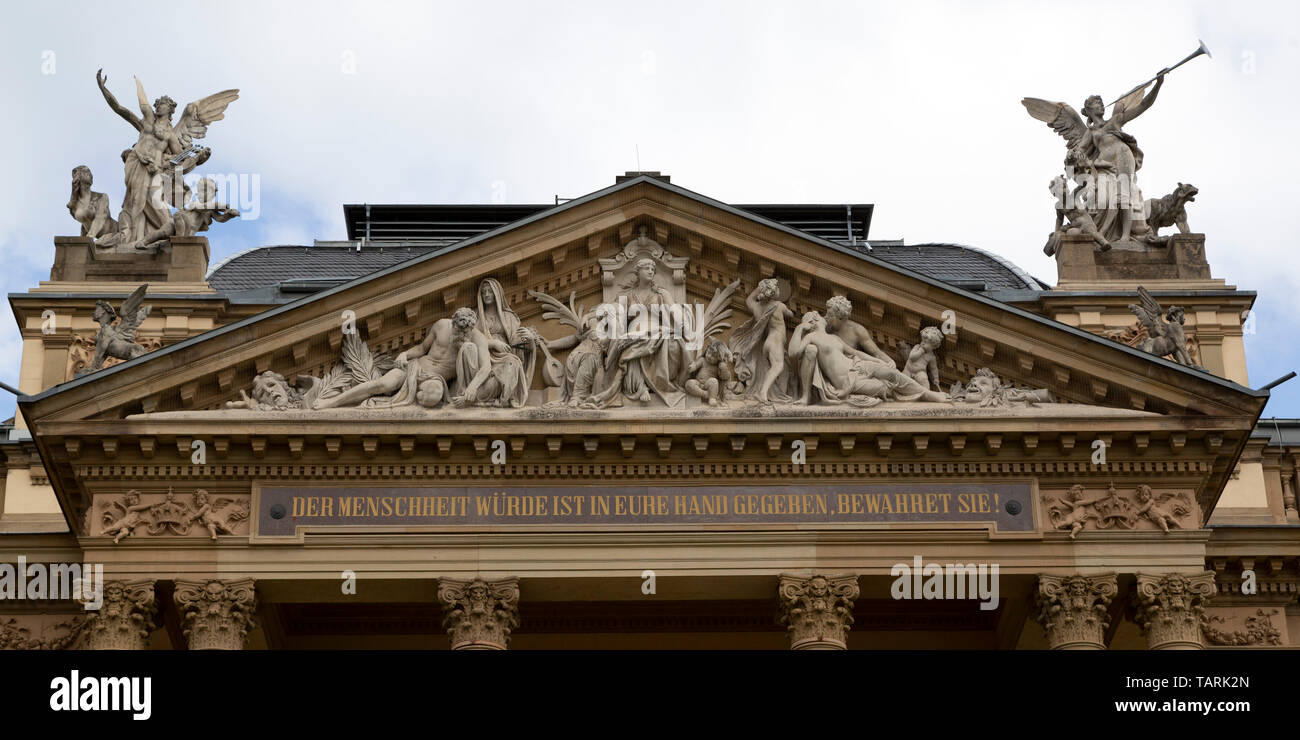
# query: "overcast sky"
[[912, 106]]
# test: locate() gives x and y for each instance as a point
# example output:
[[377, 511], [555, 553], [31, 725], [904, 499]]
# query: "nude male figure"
[[424, 373]]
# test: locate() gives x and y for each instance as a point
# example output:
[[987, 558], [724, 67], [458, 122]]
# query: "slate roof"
[[278, 274]]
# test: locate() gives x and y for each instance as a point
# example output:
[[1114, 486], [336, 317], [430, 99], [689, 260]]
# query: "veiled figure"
[[651, 351], [512, 346]]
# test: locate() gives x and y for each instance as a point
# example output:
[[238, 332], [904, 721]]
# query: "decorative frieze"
[[479, 614], [217, 615], [124, 619], [1256, 629], [1170, 609], [156, 515], [1142, 508], [817, 610], [40, 632], [1073, 610]]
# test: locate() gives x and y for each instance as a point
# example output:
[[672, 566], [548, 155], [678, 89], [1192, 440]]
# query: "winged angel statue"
[[116, 337], [158, 161], [1103, 160], [1165, 335]]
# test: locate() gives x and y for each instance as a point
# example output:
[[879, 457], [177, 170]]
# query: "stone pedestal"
[[1170, 609], [1073, 610], [78, 260], [817, 610], [1183, 259], [479, 614], [124, 620], [217, 615]]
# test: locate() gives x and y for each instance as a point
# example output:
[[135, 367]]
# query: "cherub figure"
[[922, 364], [711, 373], [1153, 507], [205, 514], [196, 216], [132, 517], [117, 338], [1071, 511]]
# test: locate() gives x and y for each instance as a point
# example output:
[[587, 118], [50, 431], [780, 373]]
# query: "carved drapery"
[[217, 615], [1073, 610], [479, 614], [124, 620], [1170, 609], [817, 610]]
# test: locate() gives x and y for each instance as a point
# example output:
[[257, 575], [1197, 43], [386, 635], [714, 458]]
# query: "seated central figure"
[[832, 372]]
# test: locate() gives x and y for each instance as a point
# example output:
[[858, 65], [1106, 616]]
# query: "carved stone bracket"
[[217, 615], [1073, 610], [124, 620], [1170, 609], [817, 610], [479, 614]]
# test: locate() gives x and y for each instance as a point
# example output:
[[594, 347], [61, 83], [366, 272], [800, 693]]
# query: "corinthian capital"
[[817, 610], [217, 615], [1073, 610], [1170, 609], [479, 614], [124, 619]]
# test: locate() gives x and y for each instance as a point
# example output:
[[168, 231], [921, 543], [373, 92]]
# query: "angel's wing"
[[1128, 102], [714, 319], [570, 315], [193, 123], [1149, 313], [133, 313], [1063, 119]]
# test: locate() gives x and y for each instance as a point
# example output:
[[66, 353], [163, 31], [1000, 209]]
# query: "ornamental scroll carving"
[[37, 632], [1073, 610], [217, 615], [817, 611], [124, 619], [479, 614], [1256, 629], [200, 513], [1142, 508], [1170, 608]]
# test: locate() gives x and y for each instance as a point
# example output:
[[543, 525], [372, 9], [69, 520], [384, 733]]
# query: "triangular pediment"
[[582, 249]]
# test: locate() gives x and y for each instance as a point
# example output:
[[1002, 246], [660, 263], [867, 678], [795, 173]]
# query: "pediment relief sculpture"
[[645, 347], [1142, 508]]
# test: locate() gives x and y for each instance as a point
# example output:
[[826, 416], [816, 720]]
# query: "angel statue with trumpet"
[[162, 154], [1103, 159]]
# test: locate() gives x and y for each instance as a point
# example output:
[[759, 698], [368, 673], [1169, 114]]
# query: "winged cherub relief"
[[162, 154], [116, 337]]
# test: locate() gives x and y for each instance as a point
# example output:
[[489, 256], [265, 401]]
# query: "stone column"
[[1170, 609], [124, 619], [479, 614], [217, 615], [817, 610], [1073, 610]]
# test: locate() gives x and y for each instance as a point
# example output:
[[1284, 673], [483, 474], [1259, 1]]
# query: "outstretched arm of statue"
[[866, 343], [117, 107], [146, 113], [1150, 98]]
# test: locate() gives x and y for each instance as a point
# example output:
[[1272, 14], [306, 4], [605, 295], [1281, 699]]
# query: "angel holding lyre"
[[160, 148]]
